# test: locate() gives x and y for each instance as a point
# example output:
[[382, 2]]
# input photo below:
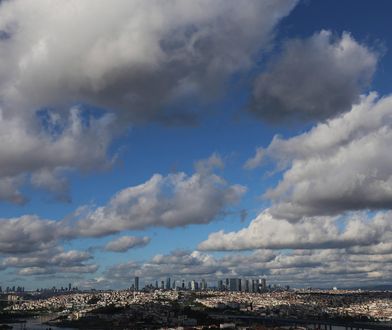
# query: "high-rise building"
[[246, 286], [264, 284], [235, 284], [194, 285], [220, 285], [136, 283], [69, 286], [162, 285], [204, 284], [168, 285], [156, 284], [183, 284]]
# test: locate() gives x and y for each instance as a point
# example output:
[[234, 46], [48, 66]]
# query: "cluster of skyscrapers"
[[245, 285], [229, 284]]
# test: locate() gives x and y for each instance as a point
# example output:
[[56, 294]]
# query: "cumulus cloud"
[[50, 261], [49, 145], [131, 56], [342, 164], [267, 232], [26, 233], [125, 243], [314, 78], [169, 201], [140, 61]]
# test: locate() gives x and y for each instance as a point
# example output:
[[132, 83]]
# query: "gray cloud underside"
[[42, 155], [313, 78], [50, 261], [169, 201], [130, 56], [340, 165], [141, 61], [125, 243]]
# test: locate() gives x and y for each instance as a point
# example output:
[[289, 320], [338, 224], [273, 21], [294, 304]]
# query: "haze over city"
[[195, 140]]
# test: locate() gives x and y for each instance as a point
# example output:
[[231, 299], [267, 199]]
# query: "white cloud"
[[267, 232], [26, 233], [169, 201], [342, 164], [52, 260]]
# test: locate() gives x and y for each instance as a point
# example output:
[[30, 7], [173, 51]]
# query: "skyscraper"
[[264, 284], [234, 284], [220, 285], [246, 288], [136, 283], [194, 285], [168, 285]]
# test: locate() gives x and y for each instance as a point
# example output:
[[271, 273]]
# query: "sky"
[[195, 139]]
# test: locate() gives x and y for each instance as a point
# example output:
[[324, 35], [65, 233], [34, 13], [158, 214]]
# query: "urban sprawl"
[[232, 302]]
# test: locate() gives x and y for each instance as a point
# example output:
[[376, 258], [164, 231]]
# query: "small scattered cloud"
[[126, 243]]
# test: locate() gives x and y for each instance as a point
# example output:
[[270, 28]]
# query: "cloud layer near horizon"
[[303, 268]]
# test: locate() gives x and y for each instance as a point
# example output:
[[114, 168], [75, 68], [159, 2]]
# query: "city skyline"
[[168, 140]]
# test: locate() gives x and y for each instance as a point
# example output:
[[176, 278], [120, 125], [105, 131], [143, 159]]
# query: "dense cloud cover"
[[129, 56], [352, 153], [313, 78], [137, 60]]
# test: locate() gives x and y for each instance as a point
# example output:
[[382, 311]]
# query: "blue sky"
[[148, 68]]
